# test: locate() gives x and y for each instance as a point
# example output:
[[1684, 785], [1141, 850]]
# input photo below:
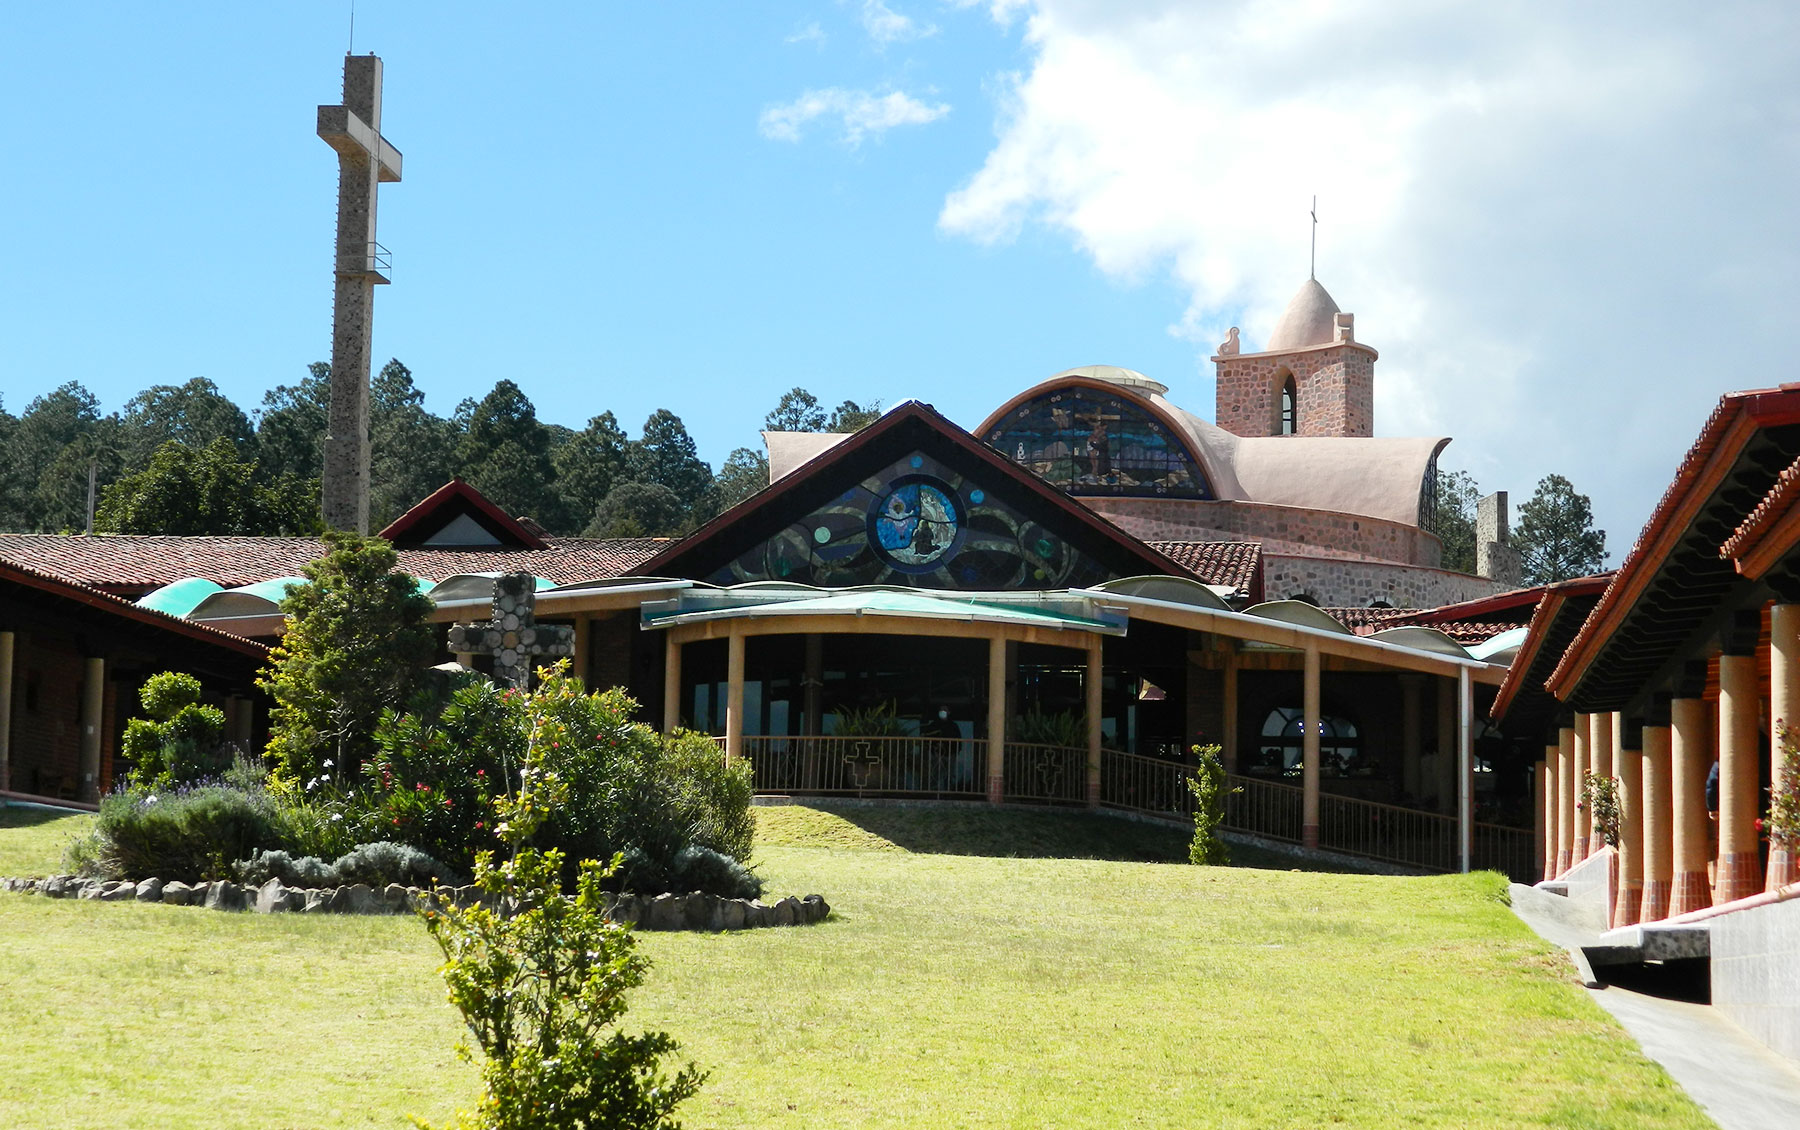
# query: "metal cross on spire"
[[1312, 266]]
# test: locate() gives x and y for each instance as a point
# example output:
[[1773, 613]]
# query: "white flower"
[[328, 763], [337, 816], [150, 799]]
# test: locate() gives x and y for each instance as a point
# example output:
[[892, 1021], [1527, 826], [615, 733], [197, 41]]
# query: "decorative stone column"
[[996, 720], [1659, 824], [93, 711], [671, 682], [1739, 871], [1583, 765], [1784, 708], [1630, 766], [1690, 760], [1309, 750], [6, 685], [734, 694], [1565, 799], [1092, 682]]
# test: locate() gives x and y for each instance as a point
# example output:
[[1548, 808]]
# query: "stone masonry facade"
[[1363, 584], [1280, 529], [1334, 388]]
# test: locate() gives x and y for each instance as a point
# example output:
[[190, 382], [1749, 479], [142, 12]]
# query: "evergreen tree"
[[588, 466], [797, 411], [188, 492], [853, 417], [357, 642], [665, 454], [506, 455], [290, 426], [1556, 534], [58, 437], [636, 510], [1454, 521], [193, 414], [12, 491], [744, 473], [411, 451]]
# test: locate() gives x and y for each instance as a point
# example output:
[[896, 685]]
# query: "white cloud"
[[808, 33], [885, 25], [861, 112], [1563, 226]]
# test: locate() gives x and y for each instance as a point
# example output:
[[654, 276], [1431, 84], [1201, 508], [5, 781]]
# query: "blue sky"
[[700, 205]]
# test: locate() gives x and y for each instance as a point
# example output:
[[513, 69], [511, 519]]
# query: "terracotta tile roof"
[[41, 581], [1768, 513], [134, 564], [1234, 563]]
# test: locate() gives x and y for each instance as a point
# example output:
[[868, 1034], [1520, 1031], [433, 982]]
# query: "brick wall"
[[1334, 389], [1295, 530]]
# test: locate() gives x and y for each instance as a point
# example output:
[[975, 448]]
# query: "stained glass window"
[[1087, 441]]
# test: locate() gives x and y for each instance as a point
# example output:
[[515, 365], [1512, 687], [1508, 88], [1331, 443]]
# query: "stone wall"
[[1334, 387], [1756, 972], [1359, 584], [1295, 530]]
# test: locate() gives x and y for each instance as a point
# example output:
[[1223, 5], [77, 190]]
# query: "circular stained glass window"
[[914, 525]]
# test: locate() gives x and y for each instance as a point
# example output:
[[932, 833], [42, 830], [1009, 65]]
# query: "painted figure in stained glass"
[[1088, 441], [916, 524]]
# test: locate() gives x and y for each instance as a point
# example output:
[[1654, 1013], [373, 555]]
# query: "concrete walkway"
[[1740, 1083]]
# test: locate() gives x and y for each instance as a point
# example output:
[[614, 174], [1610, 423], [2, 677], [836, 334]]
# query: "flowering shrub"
[[1783, 824], [189, 832], [1600, 799]]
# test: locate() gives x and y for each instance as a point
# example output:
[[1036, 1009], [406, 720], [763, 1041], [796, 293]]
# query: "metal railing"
[[1264, 808], [1388, 832], [855, 766], [1511, 851], [1149, 785], [1053, 774], [376, 260]]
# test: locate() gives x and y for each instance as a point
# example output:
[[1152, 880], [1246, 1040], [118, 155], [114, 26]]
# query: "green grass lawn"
[[1073, 987]]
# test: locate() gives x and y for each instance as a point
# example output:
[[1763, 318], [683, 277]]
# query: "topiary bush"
[[1209, 790], [181, 740]]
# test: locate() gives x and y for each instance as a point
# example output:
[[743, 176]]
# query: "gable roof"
[[1522, 702], [42, 586], [1238, 564], [457, 499], [908, 427], [1674, 579]]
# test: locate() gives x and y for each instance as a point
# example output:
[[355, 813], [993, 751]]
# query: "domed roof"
[[1113, 374], [1307, 321]]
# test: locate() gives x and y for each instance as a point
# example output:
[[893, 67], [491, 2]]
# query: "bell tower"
[[1313, 378]]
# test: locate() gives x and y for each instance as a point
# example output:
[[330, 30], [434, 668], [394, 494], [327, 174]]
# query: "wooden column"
[[996, 720], [584, 648], [734, 693], [1739, 871], [1309, 751], [1446, 744], [1584, 820], [1540, 808], [1690, 760], [1565, 799], [1629, 765], [1228, 752], [1659, 825], [813, 685], [93, 721], [1465, 768], [1411, 737], [1091, 684], [6, 685], [671, 683], [1784, 710]]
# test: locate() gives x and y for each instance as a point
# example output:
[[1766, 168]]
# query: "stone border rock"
[[695, 911]]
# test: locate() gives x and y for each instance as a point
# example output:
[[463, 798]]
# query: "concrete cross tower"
[[365, 159]]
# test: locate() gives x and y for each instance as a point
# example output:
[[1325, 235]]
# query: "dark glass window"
[[1288, 426], [1280, 748], [1087, 441]]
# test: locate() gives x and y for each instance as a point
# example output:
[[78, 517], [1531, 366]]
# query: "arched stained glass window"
[[1089, 441], [1289, 414]]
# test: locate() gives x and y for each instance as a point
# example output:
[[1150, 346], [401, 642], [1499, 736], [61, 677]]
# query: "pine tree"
[[1556, 534]]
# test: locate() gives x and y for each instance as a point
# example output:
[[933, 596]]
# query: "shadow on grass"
[[1051, 833], [20, 816]]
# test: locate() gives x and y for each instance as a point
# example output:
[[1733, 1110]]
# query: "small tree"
[[540, 977], [356, 641], [181, 740], [1784, 800], [1556, 534], [1600, 795], [1454, 519], [1210, 790]]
